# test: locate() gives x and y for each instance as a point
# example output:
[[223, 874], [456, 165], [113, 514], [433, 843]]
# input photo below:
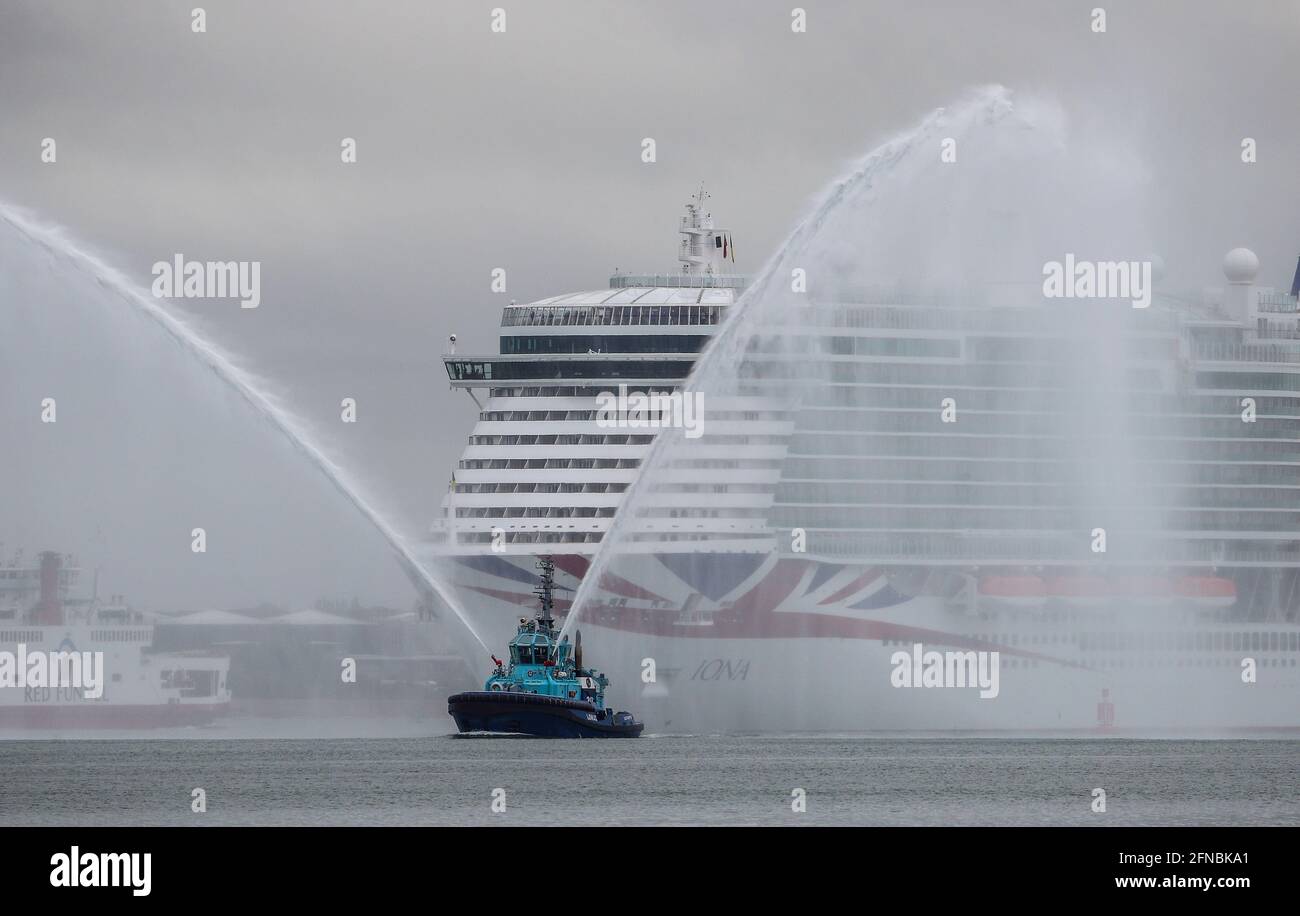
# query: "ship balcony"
[[681, 281], [641, 306], [568, 453], [573, 369], [1277, 303], [1247, 353]]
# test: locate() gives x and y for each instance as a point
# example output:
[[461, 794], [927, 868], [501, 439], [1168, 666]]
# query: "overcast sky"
[[522, 150]]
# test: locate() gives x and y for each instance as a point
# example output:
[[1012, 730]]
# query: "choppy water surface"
[[656, 780]]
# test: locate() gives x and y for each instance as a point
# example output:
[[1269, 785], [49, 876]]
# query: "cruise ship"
[[774, 570], [141, 688]]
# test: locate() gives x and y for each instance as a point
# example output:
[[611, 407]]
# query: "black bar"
[[330, 865]]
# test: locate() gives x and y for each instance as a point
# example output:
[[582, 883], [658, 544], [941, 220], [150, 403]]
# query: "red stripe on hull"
[[105, 715], [798, 626], [856, 585], [753, 616], [522, 600], [577, 566], [774, 588]]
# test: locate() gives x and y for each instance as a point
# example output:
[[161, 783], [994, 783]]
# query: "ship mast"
[[544, 590], [703, 247]]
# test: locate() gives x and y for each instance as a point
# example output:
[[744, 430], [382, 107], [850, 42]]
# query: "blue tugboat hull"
[[540, 716]]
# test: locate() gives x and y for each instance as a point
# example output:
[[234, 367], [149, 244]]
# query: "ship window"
[[526, 655]]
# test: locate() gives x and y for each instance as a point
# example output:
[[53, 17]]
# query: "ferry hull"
[[111, 716], [524, 714], [140, 688]]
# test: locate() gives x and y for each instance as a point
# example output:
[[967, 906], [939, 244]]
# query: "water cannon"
[[451, 340]]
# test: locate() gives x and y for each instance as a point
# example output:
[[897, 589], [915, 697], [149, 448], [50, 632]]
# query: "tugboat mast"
[[545, 590]]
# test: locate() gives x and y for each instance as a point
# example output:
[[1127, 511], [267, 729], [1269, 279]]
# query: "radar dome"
[[1240, 265]]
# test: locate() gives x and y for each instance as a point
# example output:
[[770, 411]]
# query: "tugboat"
[[543, 690]]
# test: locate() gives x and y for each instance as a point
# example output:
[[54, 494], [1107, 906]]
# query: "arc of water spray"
[[990, 101], [59, 246]]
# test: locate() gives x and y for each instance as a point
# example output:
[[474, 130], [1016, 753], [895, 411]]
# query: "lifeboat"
[[1206, 591], [1080, 591], [1012, 591]]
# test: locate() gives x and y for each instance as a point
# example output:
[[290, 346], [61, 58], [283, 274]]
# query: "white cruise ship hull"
[[1106, 497]]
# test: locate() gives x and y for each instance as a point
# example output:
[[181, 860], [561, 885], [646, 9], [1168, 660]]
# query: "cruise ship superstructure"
[[798, 545]]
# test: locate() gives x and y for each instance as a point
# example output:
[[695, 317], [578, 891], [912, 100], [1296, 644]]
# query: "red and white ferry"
[[141, 688]]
